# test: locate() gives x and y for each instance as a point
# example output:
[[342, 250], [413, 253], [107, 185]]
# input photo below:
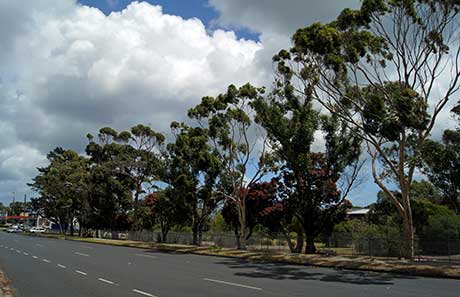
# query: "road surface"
[[42, 267]]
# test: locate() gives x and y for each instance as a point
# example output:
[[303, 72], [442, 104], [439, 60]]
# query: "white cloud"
[[68, 69], [276, 17]]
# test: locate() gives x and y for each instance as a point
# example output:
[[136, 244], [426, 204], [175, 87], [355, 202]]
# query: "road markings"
[[62, 266], [81, 254], [25, 254], [106, 281], [46, 261], [232, 284], [81, 272], [146, 256], [40, 245], [18, 251], [143, 293], [35, 257], [86, 247]]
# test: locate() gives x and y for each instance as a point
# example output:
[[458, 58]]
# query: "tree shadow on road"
[[278, 271]]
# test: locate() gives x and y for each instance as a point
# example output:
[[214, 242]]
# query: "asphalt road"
[[41, 267]]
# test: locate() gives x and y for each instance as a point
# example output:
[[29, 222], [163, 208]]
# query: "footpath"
[[415, 268]]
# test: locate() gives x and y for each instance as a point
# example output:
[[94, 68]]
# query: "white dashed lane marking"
[[106, 281], [46, 261], [146, 256], [81, 272], [81, 254], [62, 266], [232, 284], [25, 254], [143, 293], [35, 257]]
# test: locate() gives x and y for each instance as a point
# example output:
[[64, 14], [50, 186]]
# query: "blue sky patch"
[[186, 9]]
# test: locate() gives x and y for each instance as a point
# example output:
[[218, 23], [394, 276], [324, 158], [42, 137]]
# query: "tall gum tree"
[[379, 69], [229, 118], [193, 173], [313, 185], [135, 153]]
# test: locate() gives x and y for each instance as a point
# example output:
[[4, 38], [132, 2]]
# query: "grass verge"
[[5, 286]]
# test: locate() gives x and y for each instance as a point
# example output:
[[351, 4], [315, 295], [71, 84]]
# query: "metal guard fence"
[[426, 248]]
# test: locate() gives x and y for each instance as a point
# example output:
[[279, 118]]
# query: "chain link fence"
[[347, 244]]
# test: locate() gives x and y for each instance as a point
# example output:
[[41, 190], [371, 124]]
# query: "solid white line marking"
[[106, 281], [35, 257], [231, 284], [81, 254], [81, 272], [46, 261], [25, 254], [146, 256], [62, 266], [143, 293]]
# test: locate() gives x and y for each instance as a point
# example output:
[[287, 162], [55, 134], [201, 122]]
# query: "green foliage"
[[229, 118], [63, 187], [442, 165], [193, 171], [218, 224], [308, 180]]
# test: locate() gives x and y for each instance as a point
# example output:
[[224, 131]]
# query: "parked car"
[[37, 230], [14, 229]]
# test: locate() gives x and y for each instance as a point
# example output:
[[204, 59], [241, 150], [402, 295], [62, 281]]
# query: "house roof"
[[361, 211]]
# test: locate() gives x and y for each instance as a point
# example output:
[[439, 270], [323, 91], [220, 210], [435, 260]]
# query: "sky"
[[70, 67]]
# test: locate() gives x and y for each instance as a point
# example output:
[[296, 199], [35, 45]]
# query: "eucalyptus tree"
[[379, 69], [241, 154], [112, 185], [442, 165], [133, 155], [63, 188], [193, 173], [308, 179]]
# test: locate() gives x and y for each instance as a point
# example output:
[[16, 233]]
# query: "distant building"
[[357, 213]]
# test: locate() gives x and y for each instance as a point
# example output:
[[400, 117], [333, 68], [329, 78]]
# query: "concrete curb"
[[340, 262]]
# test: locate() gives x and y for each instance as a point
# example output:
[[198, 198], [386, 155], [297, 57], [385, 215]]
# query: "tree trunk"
[[408, 224], [200, 236], [195, 228], [408, 246], [242, 220], [299, 243], [71, 228], [310, 245], [237, 238]]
